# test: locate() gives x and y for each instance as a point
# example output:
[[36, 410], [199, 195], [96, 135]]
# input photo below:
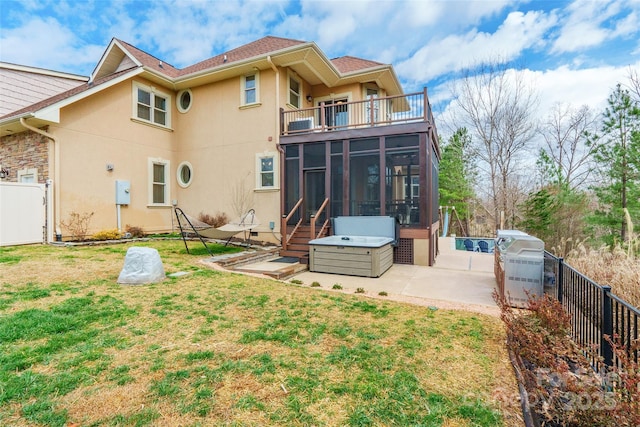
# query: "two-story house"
[[274, 125]]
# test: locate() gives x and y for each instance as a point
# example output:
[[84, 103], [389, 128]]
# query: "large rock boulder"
[[141, 265]]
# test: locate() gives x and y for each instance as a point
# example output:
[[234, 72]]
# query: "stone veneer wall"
[[25, 150]]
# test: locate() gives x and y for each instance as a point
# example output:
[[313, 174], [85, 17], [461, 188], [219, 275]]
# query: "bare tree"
[[498, 107], [565, 133], [241, 197]]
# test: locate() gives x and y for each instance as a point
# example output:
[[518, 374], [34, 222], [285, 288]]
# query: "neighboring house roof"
[[122, 60], [21, 86]]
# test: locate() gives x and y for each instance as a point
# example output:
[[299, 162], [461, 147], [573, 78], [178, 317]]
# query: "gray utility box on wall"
[[123, 196], [521, 263]]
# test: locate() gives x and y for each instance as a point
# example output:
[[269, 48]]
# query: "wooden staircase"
[[298, 246]]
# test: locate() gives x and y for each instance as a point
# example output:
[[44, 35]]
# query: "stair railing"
[[312, 234], [283, 225]]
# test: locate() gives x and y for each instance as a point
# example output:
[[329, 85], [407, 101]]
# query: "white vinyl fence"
[[22, 213]]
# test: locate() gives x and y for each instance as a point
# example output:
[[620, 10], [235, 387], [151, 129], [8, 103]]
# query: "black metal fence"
[[595, 312]]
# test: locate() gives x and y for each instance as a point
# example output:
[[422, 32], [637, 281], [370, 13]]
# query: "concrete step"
[[247, 257], [295, 254]]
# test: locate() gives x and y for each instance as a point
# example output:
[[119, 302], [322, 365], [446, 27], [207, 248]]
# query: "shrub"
[[218, 220], [315, 285], [563, 388], [134, 231], [383, 293], [336, 286], [360, 291], [77, 224], [112, 234], [296, 281]]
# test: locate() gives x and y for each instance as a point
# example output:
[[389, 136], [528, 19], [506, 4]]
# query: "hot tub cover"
[[377, 226]]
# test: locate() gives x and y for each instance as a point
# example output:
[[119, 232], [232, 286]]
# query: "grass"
[[213, 348]]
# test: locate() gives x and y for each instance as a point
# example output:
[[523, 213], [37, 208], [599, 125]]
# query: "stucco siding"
[[220, 139], [97, 132]]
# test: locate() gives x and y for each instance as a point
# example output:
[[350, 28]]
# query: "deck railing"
[[595, 312], [317, 215], [407, 108], [285, 220]]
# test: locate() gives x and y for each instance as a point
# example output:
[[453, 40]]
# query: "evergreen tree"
[[555, 214], [617, 153], [456, 173]]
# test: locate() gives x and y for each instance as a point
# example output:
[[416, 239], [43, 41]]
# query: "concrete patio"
[[459, 279]]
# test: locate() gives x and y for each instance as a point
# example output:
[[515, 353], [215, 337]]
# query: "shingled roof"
[[151, 61], [259, 47], [347, 64], [263, 46]]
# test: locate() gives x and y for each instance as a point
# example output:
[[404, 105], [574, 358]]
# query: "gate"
[[22, 213]]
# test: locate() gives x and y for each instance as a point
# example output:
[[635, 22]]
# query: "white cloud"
[[518, 32], [590, 23], [48, 44]]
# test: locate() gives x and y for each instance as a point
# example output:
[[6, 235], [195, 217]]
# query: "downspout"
[[277, 138], [56, 177]]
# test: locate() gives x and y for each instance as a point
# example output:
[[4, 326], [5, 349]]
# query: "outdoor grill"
[[519, 266]]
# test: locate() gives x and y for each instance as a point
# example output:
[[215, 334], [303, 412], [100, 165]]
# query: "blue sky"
[[573, 51]]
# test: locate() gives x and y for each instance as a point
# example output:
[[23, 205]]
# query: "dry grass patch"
[[610, 267], [215, 348]]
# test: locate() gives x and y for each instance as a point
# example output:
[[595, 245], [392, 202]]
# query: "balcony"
[[336, 115]]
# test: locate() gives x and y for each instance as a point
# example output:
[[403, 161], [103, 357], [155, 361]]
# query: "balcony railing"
[[336, 115]]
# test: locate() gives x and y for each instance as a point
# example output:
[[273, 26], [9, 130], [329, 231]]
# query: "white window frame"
[[179, 100], [275, 172], [290, 91], [26, 173], [153, 93], [167, 184], [244, 90], [181, 182]]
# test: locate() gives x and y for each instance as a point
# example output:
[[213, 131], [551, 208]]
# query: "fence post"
[[607, 326], [560, 278]]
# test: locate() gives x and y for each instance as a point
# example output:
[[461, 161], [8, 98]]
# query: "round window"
[[185, 174], [184, 100]]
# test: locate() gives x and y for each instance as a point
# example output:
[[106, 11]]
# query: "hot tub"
[[361, 254]]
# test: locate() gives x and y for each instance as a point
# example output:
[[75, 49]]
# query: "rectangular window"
[[267, 170], [28, 175], [151, 105], [158, 182], [294, 92], [250, 85]]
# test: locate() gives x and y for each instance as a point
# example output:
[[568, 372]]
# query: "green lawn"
[[213, 348]]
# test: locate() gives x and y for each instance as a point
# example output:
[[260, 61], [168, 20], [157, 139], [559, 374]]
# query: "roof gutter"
[[277, 135], [277, 121], [56, 177]]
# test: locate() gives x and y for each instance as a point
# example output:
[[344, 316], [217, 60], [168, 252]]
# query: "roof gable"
[[120, 56]]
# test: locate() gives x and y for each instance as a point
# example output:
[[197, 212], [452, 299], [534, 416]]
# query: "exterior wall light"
[[4, 173], [309, 98]]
